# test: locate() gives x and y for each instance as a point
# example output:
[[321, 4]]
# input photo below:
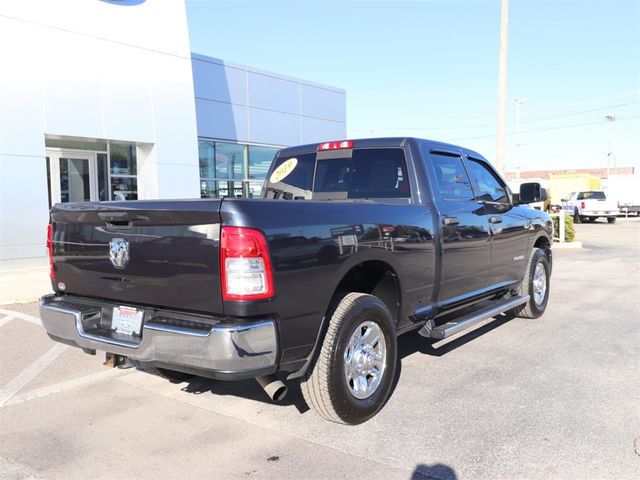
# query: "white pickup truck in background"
[[588, 206]]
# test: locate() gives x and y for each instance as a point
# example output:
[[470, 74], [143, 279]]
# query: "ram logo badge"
[[518, 258], [119, 252]]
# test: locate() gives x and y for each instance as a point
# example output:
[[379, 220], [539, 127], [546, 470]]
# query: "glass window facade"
[[233, 169], [123, 169]]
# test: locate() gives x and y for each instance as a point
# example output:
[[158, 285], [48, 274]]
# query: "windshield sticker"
[[283, 170]]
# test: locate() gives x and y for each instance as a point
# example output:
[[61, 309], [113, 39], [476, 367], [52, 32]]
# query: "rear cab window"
[[359, 173], [597, 195]]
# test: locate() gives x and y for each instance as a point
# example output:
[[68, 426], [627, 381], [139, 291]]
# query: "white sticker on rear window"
[[283, 170]]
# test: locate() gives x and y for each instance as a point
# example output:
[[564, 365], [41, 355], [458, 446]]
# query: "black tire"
[[531, 309], [611, 219], [325, 387], [576, 217], [171, 375]]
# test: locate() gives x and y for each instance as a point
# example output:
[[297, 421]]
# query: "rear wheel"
[[535, 284], [354, 371], [576, 217], [611, 219]]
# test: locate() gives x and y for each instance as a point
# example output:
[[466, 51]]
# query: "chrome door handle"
[[451, 220], [495, 219]]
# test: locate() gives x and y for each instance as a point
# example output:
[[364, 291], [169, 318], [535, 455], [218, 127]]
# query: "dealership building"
[[104, 100]]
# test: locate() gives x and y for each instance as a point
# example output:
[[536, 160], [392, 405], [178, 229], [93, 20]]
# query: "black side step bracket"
[[466, 321]]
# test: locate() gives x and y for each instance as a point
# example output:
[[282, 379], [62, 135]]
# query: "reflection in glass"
[[260, 159], [220, 189], [229, 160], [124, 188], [123, 159], [103, 175], [207, 159], [74, 180]]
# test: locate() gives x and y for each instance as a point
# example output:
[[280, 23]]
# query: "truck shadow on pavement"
[[412, 342], [408, 344]]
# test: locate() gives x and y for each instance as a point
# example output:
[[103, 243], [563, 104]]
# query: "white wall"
[[240, 103], [91, 68]]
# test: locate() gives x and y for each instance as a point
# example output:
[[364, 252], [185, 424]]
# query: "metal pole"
[[518, 102], [502, 83], [610, 156]]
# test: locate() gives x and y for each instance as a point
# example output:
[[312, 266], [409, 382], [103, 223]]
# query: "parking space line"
[[21, 316], [31, 372], [64, 385], [7, 319]]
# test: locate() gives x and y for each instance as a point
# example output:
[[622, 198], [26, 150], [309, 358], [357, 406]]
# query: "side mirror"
[[531, 192], [563, 199]]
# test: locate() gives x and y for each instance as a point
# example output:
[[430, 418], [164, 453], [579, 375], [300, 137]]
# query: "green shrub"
[[569, 231]]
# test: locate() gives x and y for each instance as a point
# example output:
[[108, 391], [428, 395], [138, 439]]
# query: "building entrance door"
[[72, 176]]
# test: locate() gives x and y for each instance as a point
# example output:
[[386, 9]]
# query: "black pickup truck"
[[353, 243]]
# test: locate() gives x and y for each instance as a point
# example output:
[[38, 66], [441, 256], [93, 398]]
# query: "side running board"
[[462, 323]]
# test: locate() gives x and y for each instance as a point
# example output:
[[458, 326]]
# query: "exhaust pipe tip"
[[274, 388]]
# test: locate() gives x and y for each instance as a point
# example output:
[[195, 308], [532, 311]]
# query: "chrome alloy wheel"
[[539, 284], [365, 360]]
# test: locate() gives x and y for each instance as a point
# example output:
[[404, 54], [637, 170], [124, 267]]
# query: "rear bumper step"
[[462, 323], [224, 349]]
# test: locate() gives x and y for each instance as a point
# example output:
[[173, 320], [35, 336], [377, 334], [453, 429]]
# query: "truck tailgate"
[[165, 254]]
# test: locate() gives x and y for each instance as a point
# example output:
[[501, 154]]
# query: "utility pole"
[[518, 102], [610, 156], [502, 83]]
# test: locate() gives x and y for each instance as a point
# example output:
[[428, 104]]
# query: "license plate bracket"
[[127, 320]]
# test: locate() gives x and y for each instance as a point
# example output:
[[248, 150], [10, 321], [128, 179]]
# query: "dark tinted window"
[[591, 196], [451, 177], [370, 173], [486, 184], [292, 177]]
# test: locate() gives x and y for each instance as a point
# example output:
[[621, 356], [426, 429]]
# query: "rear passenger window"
[[487, 185], [369, 173], [451, 177]]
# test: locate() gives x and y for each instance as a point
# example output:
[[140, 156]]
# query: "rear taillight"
[[52, 273], [582, 205], [245, 266]]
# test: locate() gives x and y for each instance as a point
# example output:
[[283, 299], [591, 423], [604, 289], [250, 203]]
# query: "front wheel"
[[611, 219], [535, 284], [354, 371]]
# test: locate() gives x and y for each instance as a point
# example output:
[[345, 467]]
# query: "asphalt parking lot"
[[557, 397]]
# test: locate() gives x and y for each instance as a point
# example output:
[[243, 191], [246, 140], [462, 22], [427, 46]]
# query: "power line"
[[534, 111], [529, 120], [560, 127]]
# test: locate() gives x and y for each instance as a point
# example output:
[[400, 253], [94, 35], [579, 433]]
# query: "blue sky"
[[429, 69]]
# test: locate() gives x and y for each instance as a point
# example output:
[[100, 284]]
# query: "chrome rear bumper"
[[225, 349]]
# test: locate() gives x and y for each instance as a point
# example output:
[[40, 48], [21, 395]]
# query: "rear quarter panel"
[[314, 244]]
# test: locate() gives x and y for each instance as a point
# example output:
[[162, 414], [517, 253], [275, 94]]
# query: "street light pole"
[[610, 156], [518, 102], [502, 83]]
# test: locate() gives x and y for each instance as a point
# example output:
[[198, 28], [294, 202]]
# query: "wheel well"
[[376, 278], [542, 242]]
